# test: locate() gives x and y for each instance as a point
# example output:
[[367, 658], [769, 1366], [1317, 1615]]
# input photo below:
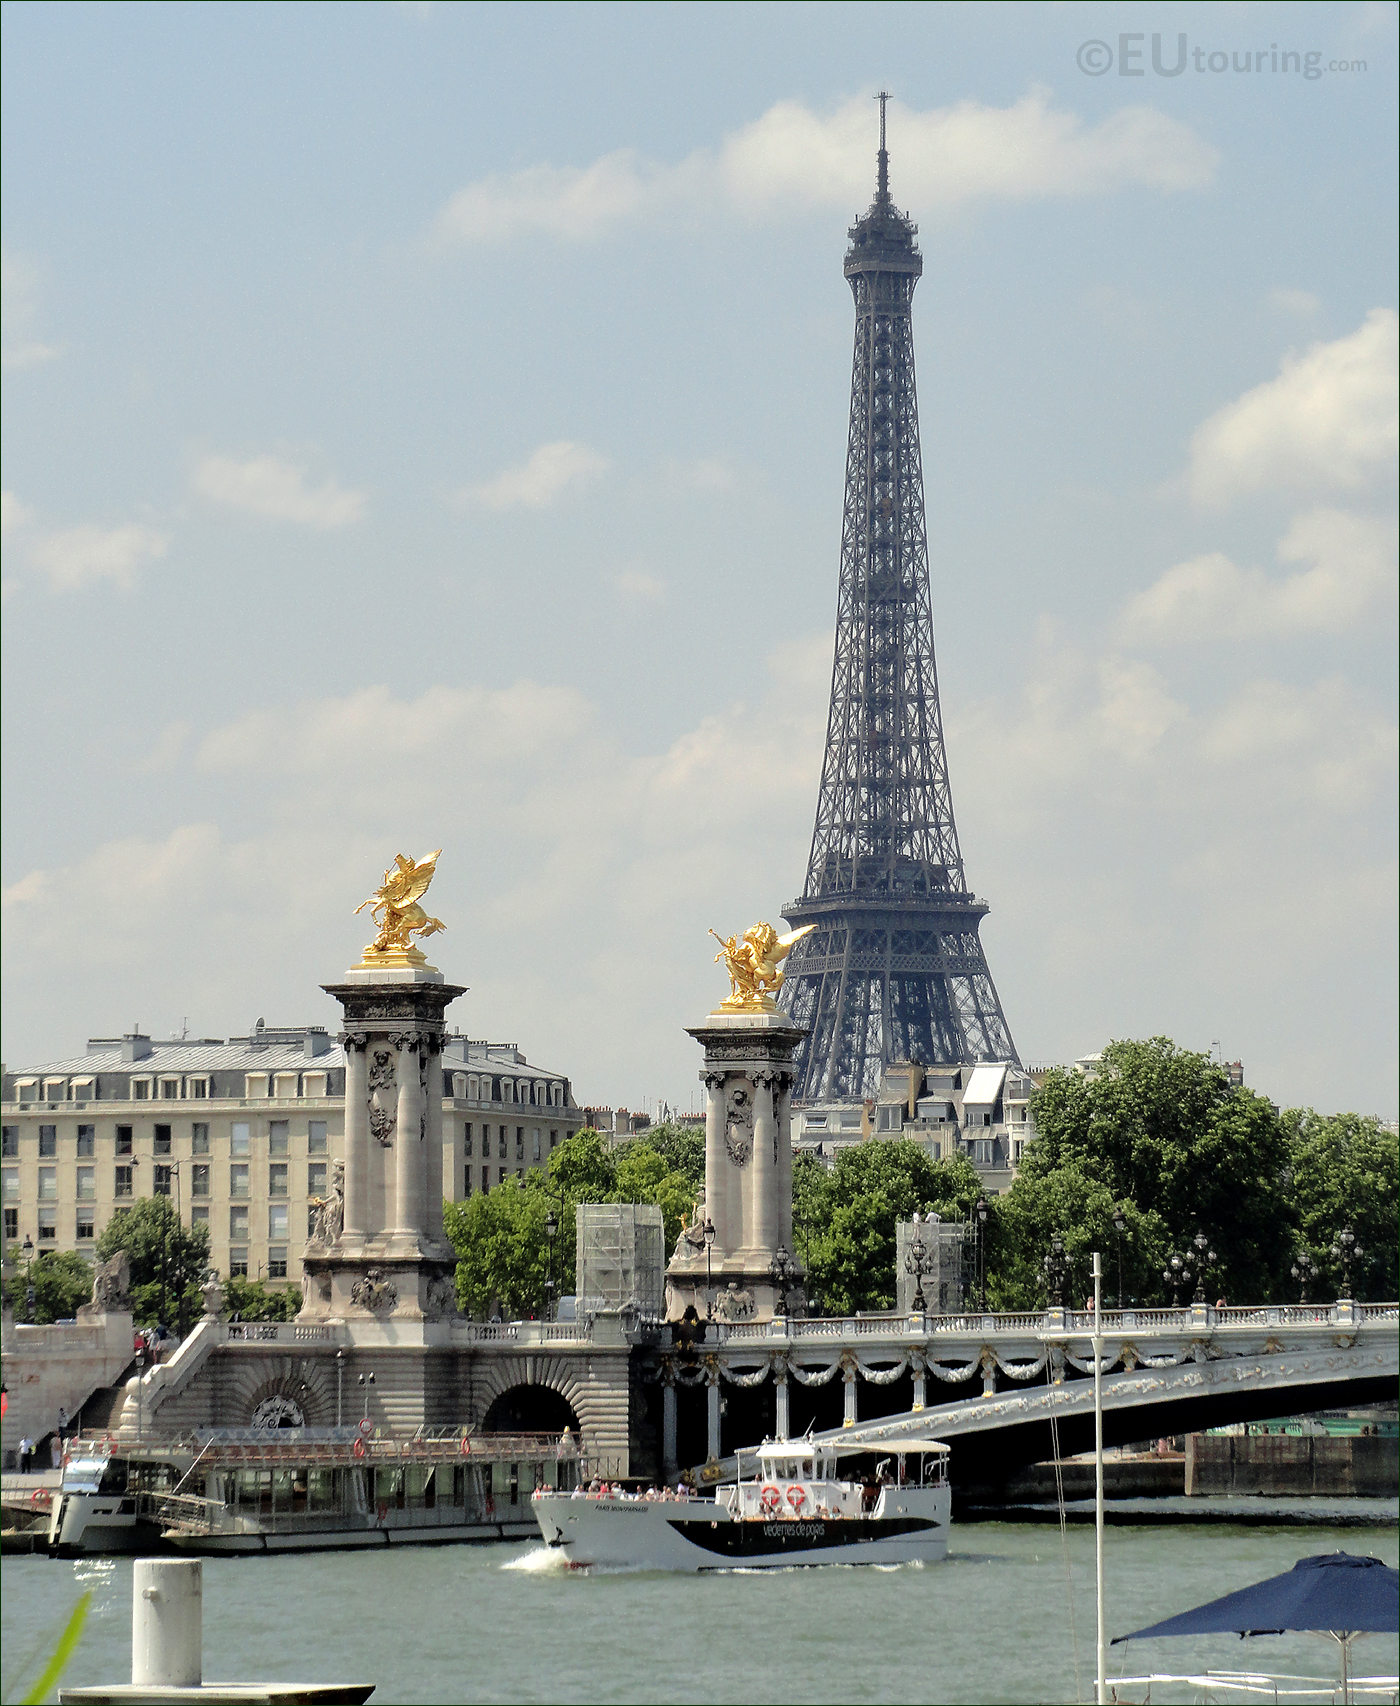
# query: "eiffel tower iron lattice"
[[895, 969]]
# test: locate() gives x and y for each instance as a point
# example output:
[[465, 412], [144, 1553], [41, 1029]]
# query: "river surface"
[[1008, 1617]]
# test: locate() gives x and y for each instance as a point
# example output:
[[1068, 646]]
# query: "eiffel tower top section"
[[882, 239], [895, 968]]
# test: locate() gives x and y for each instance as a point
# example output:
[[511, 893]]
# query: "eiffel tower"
[[895, 969]]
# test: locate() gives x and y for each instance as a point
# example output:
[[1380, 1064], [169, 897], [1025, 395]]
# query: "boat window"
[[83, 1477]]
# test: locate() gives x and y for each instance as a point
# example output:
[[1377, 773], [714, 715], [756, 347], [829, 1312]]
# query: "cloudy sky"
[[425, 424]]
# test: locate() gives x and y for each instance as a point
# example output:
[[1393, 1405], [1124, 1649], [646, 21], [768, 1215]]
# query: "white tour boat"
[[794, 1511]]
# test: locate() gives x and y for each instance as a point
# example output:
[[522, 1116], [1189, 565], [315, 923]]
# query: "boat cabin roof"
[[797, 1448]]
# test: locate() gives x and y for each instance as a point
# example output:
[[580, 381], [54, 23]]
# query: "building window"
[[277, 1221], [11, 1223], [199, 1140], [11, 1184], [87, 1184], [162, 1145], [48, 1142], [554, 1140], [238, 1179], [534, 1143], [277, 1179], [501, 1146], [122, 1182], [313, 1084], [238, 1223], [466, 1181], [255, 1086], [160, 1185], [170, 1089], [48, 1226], [520, 1143], [277, 1264], [140, 1089], [316, 1178], [239, 1142], [197, 1089], [502, 1175], [486, 1178], [87, 1225], [285, 1086], [316, 1137], [11, 1143], [87, 1140], [459, 1085], [467, 1138], [238, 1264], [48, 1184], [277, 1136], [123, 1140], [199, 1216], [199, 1179]]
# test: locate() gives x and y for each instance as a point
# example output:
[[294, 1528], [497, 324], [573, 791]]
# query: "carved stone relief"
[[738, 1122], [375, 1292]]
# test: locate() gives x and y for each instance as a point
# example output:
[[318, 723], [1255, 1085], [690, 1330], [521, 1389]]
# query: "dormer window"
[[140, 1089]]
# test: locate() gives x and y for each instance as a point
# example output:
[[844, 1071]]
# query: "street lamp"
[[551, 1229], [1304, 1270], [708, 1231], [1205, 1259], [981, 1211], [1056, 1270], [1120, 1226], [783, 1271], [1345, 1250], [366, 1385], [914, 1264], [27, 1251]]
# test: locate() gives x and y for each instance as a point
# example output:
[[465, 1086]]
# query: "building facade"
[[242, 1134]]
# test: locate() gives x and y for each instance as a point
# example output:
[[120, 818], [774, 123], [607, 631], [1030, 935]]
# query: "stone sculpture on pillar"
[[377, 1246], [747, 1074]]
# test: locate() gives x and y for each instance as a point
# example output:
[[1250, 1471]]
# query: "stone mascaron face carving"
[[396, 899], [752, 963]]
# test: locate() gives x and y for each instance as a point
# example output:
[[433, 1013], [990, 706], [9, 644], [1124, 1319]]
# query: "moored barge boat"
[[795, 1511], [305, 1489]]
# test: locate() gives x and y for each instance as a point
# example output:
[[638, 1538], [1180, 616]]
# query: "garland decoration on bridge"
[[754, 1377], [810, 1376], [1021, 1370], [881, 1376]]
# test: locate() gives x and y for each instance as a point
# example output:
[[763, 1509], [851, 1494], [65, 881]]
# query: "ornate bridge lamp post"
[[1056, 1270], [551, 1230], [981, 1211], [1345, 1250], [782, 1271], [1305, 1271], [916, 1264], [708, 1231], [1205, 1259], [1177, 1275], [366, 1386], [27, 1251], [1120, 1226]]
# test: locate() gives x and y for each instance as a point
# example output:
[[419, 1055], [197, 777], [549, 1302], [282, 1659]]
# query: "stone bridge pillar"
[[748, 1172], [378, 1250]]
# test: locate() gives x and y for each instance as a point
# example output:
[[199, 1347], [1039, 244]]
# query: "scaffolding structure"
[[942, 1244], [621, 1260]]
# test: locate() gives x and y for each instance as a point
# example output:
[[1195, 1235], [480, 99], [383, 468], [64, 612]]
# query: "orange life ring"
[[770, 1499], [359, 1448], [797, 1497], [37, 1496], [466, 1447]]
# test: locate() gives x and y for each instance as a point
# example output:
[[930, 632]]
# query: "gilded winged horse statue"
[[752, 964], [405, 883]]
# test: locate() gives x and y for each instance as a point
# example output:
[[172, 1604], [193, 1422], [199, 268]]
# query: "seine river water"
[[1008, 1617]]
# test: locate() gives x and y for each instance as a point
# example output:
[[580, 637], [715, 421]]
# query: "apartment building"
[[241, 1133]]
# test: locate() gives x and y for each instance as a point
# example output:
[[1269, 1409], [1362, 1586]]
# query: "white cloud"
[[1351, 575], [77, 557], [547, 474], [13, 514], [1327, 422], [19, 309], [268, 486], [795, 158], [639, 586]]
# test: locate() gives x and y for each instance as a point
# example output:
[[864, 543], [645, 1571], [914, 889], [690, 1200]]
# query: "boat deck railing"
[[328, 1447]]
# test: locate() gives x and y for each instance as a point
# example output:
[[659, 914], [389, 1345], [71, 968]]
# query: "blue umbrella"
[[1335, 1593]]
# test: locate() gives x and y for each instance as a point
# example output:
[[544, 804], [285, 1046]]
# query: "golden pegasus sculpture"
[[752, 963], [397, 897]]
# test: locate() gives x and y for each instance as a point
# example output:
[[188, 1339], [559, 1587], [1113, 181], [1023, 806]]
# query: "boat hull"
[[700, 1535]]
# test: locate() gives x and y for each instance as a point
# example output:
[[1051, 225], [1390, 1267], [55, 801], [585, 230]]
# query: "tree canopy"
[[1342, 1171], [62, 1282], [500, 1235], [168, 1259], [252, 1300]]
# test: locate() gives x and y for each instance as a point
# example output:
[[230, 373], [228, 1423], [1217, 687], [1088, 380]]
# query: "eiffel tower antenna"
[[895, 968]]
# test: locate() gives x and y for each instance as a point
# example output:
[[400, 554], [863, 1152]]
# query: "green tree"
[[252, 1300], [62, 1283], [682, 1148], [502, 1248], [168, 1260], [1161, 1132], [1342, 1171]]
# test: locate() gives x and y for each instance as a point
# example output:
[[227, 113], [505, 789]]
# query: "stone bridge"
[[1017, 1390]]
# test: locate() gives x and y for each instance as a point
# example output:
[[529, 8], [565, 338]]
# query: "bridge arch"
[[531, 1408]]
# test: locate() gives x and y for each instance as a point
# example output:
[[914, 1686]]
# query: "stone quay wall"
[[1287, 1465]]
